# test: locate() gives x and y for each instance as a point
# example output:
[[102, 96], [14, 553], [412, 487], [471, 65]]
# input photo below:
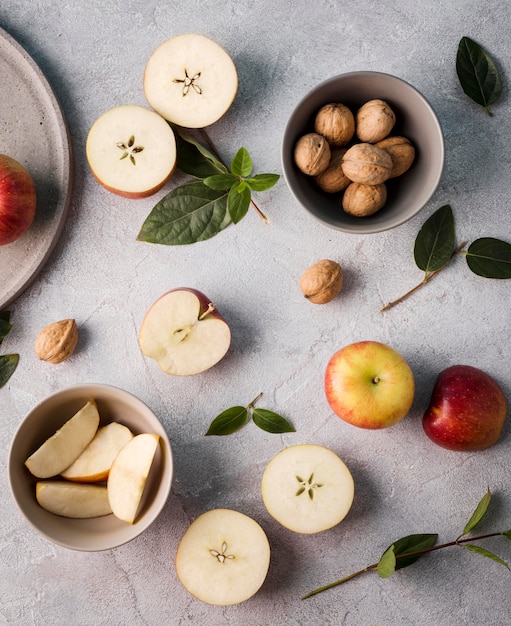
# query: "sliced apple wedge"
[[128, 475], [131, 151], [223, 557], [184, 333], [72, 499], [95, 461], [190, 80], [307, 488], [66, 445]]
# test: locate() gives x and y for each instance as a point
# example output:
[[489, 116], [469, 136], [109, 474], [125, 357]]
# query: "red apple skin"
[[17, 200], [205, 303], [467, 410], [132, 195]]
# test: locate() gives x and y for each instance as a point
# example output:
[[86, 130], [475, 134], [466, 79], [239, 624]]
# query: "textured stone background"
[[94, 55]]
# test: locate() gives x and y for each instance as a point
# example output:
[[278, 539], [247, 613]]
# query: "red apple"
[[17, 200], [467, 410]]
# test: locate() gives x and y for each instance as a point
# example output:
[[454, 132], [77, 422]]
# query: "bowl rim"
[[164, 486]]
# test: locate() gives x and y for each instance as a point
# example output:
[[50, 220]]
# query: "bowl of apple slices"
[[90, 467]]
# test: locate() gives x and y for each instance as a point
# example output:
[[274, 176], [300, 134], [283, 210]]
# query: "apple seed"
[[130, 149], [189, 82], [221, 556]]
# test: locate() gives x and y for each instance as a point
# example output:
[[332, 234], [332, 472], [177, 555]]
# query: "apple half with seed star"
[[131, 151], [184, 333], [369, 384], [190, 80]]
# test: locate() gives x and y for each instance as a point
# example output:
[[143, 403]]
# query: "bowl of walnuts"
[[363, 152]]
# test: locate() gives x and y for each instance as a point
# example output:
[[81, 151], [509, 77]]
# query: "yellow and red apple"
[[17, 200]]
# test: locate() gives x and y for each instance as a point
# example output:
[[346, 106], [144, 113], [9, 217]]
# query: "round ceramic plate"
[[32, 131]]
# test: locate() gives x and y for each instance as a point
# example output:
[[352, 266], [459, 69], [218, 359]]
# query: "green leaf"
[[5, 315], [478, 514], [262, 182], [507, 534], [229, 421], [221, 182], [5, 327], [486, 553], [416, 544], [387, 563], [8, 363], [490, 258], [271, 422], [187, 214], [477, 73], [238, 203], [193, 158], [434, 243], [242, 163]]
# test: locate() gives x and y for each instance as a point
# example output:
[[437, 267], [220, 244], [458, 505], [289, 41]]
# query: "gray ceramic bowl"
[[42, 421], [416, 120]]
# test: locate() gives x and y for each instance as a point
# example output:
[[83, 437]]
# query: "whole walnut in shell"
[[365, 163], [57, 342], [322, 281], [374, 121], [336, 123], [333, 179], [401, 152], [312, 154], [362, 200]]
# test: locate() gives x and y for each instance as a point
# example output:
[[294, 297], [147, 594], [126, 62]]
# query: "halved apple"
[[307, 488], [223, 557], [95, 461], [184, 333], [131, 151], [66, 445], [74, 500], [128, 475], [190, 80]]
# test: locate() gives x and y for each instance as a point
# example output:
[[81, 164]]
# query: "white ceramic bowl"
[[42, 421]]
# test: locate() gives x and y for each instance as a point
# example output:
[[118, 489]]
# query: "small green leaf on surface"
[[271, 422], [490, 258], [229, 421], [387, 563], [434, 244], [486, 553], [238, 203], [5, 325], [478, 514], [478, 74], [241, 164], [507, 533], [411, 544], [221, 182], [262, 182], [8, 363], [193, 158]]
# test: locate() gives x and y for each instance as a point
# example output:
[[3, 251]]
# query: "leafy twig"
[[8, 362]]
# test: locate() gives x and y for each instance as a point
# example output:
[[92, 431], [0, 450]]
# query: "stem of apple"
[[213, 149], [210, 309]]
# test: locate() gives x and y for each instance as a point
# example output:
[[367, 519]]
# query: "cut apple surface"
[[65, 446], [131, 151], [184, 333], [95, 461], [128, 475], [223, 557], [190, 80], [307, 488], [74, 500]]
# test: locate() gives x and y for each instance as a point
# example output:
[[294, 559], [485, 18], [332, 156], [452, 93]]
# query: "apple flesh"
[[370, 385], [61, 449], [131, 151], [467, 410], [184, 333], [80, 501], [190, 80], [223, 557], [17, 200], [307, 488], [95, 461]]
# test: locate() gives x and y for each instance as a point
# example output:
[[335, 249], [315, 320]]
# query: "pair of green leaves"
[[199, 210], [8, 362], [233, 419]]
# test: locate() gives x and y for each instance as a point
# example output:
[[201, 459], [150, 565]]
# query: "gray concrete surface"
[[94, 54]]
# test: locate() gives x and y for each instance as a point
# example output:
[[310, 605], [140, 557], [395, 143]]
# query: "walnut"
[[57, 342], [365, 163], [312, 154], [363, 200], [333, 179], [336, 123], [374, 121], [401, 152], [322, 281]]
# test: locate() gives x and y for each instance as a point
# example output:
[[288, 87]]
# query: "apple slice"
[[184, 333], [307, 488], [190, 80], [73, 499], [223, 557], [131, 151], [128, 475], [66, 445], [95, 461]]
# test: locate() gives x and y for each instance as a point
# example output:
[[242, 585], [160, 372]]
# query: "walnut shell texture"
[[333, 179], [57, 342], [362, 200], [374, 121], [321, 282], [401, 152], [336, 123], [312, 154], [365, 163]]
